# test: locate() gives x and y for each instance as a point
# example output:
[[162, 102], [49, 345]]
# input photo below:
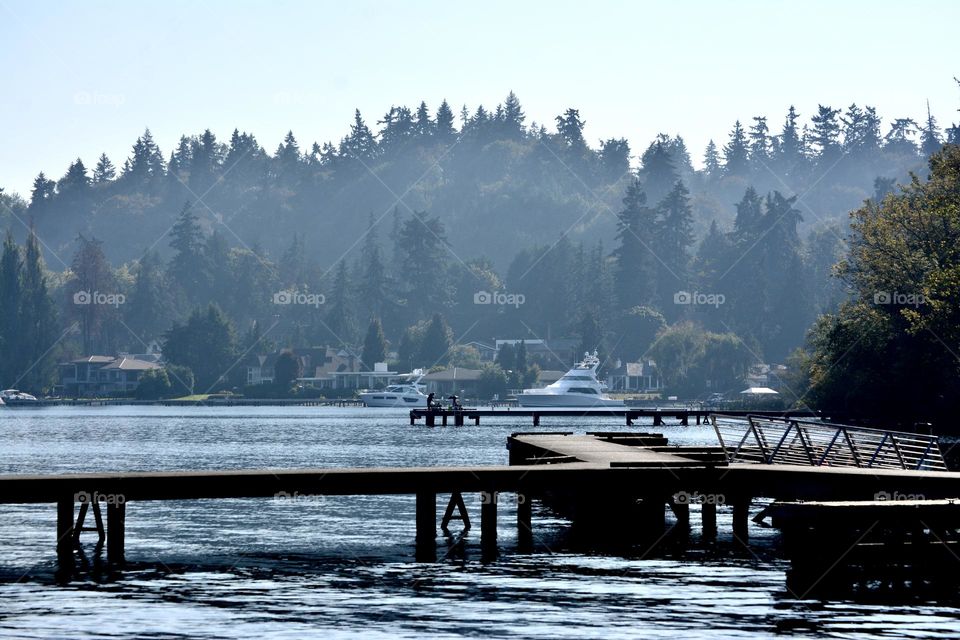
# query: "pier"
[[623, 482], [682, 415]]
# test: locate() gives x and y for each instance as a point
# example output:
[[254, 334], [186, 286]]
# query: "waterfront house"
[[102, 375]]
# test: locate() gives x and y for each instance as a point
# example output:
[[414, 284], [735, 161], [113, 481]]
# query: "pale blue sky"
[[80, 78]]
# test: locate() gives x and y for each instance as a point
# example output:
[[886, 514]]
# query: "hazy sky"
[[81, 78]]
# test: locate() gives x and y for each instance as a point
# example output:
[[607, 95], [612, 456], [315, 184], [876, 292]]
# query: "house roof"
[[450, 375], [93, 360], [131, 364]]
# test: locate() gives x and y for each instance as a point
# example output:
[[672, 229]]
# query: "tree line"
[[413, 239]]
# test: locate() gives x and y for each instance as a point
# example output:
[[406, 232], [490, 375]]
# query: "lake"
[[343, 566]]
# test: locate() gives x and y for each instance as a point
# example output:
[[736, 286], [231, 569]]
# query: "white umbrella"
[[759, 391]]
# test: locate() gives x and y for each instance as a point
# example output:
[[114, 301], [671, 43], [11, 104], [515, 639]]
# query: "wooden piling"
[[708, 519], [426, 527], [524, 522], [741, 513], [116, 523], [488, 524], [65, 532], [536, 419]]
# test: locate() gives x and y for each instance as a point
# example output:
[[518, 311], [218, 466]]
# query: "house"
[[454, 381], [379, 378], [634, 376], [315, 363], [102, 375]]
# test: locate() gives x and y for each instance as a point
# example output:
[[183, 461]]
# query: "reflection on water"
[[343, 566]]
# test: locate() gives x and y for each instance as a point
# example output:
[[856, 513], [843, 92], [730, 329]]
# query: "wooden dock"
[[682, 415], [624, 481]]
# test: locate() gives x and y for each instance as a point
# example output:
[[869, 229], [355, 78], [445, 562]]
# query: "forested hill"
[[424, 212], [497, 182]]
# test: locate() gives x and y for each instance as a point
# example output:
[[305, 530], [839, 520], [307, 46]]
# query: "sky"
[[83, 78]]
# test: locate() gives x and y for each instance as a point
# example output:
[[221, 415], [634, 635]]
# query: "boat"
[[577, 388], [409, 394], [14, 397]]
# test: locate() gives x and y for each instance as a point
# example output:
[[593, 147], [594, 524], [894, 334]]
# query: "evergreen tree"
[[93, 279], [423, 247], [341, 319], [42, 192], [513, 117], [374, 345], [790, 146], [37, 320], [423, 126], [899, 140], [444, 129], [104, 171], [759, 143], [711, 161], [930, 139], [673, 239], [206, 345], [437, 340], [374, 287], [658, 172], [615, 158], [825, 136], [633, 276], [148, 312], [570, 130], [736, 153], [187, 269], [360, 144], [11, 294]]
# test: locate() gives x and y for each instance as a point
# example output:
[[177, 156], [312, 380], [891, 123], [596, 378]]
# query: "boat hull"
[[566, 400], [393, 400]]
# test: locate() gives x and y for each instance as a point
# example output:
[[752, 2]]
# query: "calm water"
[[342, 567]]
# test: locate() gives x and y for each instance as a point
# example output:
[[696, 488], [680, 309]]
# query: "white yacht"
[[578, 387], [14, 397], [409, 394]]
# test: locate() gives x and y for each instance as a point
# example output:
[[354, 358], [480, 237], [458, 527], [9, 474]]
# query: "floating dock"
[[682, 415]]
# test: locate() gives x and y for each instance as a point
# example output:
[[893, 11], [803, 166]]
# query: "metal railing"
[[814, 443]]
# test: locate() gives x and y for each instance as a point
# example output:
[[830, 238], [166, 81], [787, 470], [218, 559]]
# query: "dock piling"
[[116, 523], [488, 524], [524, 522], [65, 532], [708, 519], [426, 517], [741, 512]]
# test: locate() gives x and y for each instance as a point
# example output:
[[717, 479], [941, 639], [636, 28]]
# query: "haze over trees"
[[394, 238]]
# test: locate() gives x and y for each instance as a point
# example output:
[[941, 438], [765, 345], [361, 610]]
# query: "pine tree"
[[104, 171], [443, 126], [633, 276], [825, 136], [42, 192], [148, 311], [423, 126], [570, 130], [658, 172], [38, 320], [92, 278], [374, 288], [736, 152], [513, 116], [360, 144], [711, 161], [790, 147], [673, 239], [930, 138], [374, 345], [615, 158], [11, 293], [760, 143], [899, 140], [188, 268], [436, 344], [341, 320]]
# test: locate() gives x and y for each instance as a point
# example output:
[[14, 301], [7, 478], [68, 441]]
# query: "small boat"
[[578, 387], [409, 394], [14, 398]]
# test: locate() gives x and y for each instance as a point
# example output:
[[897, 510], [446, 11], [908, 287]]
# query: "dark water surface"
[[343, 566]]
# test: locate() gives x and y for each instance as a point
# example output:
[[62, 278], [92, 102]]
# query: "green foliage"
[[286, 370], [493, 382], [892, 350], [374, 345], [693, 361], [206, 345]]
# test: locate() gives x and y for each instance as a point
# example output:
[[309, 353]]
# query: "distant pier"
[[683, 416]]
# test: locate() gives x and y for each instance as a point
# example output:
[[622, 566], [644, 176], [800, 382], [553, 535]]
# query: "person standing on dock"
[[430, 401]]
